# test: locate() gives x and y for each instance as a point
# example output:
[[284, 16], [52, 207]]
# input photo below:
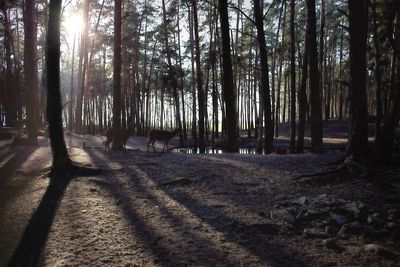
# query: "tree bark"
[[315, 95], [265, 91], [385, 145], [227, 76], [358, 128], [303, 94], [199, 78], [61, 160], [31, 74], [117, 143], [292, 145]]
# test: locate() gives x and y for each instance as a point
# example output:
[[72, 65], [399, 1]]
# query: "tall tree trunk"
[[228, 86], [321, 58], [172, 74], [72, 93], [303, 93], [200, 92], [9, 92], [61, 160], [341, 77], [315, 95], [281, 57], [31, 73], [193, 82], [273, 89], [269, 127], [292, 146], [82, 68], [378, 76], [116, 123], [181, 85], [385, 145], [358, 128]]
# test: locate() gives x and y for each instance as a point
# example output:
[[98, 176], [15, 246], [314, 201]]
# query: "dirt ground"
[[177, 209]]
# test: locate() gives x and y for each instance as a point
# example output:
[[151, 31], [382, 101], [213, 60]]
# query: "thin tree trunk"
[[292, 146], [269, 127], [31, 73], [378, 76], [117, 143], [199, 78], [193, 83], [303, 94], [82, 68], [172, 73]]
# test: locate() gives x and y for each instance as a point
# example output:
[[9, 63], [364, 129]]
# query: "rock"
[[339, 219], [354, 228], [352, 208], [284, 214], [261, 213], [391, 225], [379, 250], [330, 230], [361, 206], [314, 233], [301, 200], [315, 213], [331, 243]]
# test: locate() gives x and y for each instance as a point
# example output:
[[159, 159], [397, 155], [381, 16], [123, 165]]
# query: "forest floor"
[[178, 209]]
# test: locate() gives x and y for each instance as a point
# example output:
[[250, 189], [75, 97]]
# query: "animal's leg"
[[154, 150]]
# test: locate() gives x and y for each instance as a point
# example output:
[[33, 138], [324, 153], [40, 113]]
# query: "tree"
[[227, 80], [61, 160], [9, 92], [82, 67], [303, 93], [117, 143], [31, 75], [199, 79], [315, 95], [292, 146], [173, 76], [358, 120], [265, 92], [384, 147]]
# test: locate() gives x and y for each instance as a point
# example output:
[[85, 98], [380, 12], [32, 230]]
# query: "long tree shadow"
[[258, 239], [36, 232], [149, 234]]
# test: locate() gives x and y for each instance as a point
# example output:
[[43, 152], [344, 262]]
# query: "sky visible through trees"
[[171, 73]]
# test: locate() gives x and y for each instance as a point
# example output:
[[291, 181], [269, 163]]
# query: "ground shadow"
[[35, 234], [257, 240]]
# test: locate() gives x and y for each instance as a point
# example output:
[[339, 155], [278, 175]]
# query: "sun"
[[73, 24]]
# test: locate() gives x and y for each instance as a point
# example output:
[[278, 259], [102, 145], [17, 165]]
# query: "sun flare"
[[73, 24]]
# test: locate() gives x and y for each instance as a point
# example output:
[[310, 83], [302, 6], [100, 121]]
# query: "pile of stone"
[[331, 218]]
